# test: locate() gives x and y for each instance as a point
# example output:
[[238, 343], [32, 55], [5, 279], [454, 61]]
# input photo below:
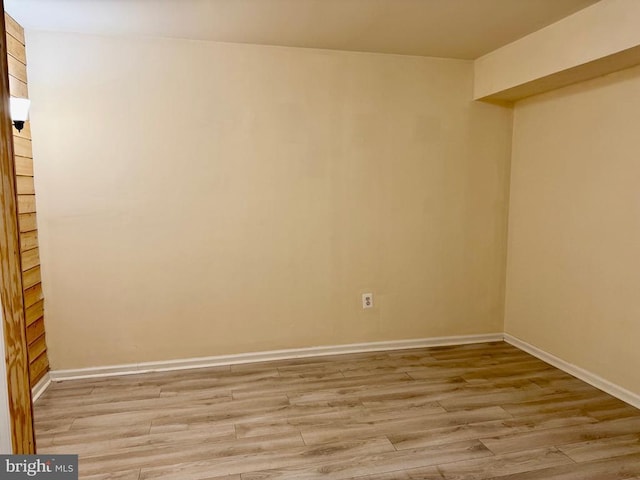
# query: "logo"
[[51, 467]]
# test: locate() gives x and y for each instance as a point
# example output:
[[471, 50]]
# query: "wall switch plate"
[[367, 300]]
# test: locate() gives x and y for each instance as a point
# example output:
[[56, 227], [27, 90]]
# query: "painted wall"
[[203, 198], [574, 226]]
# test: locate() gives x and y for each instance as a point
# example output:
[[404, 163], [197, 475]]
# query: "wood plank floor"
[[465, 412]]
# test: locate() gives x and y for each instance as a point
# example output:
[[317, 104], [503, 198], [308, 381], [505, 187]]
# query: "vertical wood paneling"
[[37, 347], [34, 312], [39, 366], [22, 147], [33, 295], [25, 185], [24, 165], [30, 259], [11, 293], [17, 69], [27, 222], [30, 277], [16, 49], [28, 240], [35, 330], [26, 202], [14, 29], [18, 88]]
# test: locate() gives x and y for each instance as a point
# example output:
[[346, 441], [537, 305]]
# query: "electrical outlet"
[[367, 300]]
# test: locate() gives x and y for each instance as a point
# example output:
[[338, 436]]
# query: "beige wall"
[[200, 199], [573, 273]]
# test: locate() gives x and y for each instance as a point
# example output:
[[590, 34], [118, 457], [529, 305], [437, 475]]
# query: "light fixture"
[[19, 111]]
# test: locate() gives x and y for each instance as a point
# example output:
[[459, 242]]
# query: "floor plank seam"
[[447, 412]]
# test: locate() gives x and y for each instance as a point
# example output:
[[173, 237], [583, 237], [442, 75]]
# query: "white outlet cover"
[[367, 300]]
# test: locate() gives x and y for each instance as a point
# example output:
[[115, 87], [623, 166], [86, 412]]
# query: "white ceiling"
[[439, 28]]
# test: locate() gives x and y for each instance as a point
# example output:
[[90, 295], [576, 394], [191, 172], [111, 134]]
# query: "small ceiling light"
[[19, 111]]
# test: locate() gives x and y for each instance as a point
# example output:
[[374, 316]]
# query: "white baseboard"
[[130, 369], [40, 387], [584, 375], [254, 357]]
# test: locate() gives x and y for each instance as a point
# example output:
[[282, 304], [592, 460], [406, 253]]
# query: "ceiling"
[[439, 28]]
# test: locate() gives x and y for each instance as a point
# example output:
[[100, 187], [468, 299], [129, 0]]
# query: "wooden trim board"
[[37, 352], [11, 293]]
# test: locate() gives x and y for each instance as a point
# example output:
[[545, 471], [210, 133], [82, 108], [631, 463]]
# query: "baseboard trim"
[[584, 375], [183, 364], [40, 387], [256, 357]]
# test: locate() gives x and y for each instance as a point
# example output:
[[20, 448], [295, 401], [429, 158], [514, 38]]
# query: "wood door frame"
[[11, 292]]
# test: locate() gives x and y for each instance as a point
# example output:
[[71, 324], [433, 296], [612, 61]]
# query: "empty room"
[[320, 239]]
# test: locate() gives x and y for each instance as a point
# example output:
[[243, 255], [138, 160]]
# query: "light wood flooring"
[[465, 412]]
